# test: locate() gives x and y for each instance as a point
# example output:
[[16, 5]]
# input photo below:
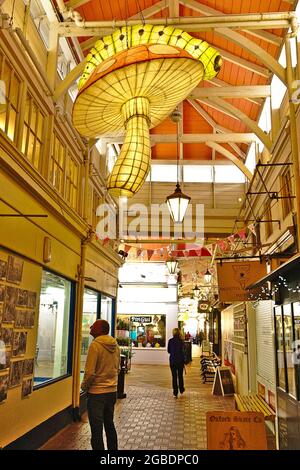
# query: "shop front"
[[285, 285], [147, 313]]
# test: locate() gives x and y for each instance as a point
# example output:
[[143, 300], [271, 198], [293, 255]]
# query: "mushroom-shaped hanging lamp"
[[134, 79]]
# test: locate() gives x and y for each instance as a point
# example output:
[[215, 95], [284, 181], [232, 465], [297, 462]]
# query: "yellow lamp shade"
[[133, 79]]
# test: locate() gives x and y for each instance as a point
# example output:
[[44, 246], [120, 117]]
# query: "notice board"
[[223, 382], [235, 430]]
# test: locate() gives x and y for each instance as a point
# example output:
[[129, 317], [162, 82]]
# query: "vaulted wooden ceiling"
[[204, 112]]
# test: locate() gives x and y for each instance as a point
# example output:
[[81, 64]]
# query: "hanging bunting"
[[127, 248], [251, 227], [223, 245], [149, 254], [231, 240], [242, 234], [105, 241]]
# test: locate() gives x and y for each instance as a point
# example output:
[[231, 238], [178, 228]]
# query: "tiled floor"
[[149, 417]]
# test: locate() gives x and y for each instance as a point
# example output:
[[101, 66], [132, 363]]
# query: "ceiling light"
[[177, 202], [172, 265], [207, 276], [196, 292]]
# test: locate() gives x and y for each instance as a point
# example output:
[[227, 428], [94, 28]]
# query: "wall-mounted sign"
[[235, 430], [140, 319], [234, 277]]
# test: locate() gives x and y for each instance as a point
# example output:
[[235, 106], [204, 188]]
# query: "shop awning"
[[284, 268]]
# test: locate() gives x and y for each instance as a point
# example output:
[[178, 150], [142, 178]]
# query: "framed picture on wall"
[[14, 269], [11, 298], [19, 343], [5, 357], [6, 335], [16, 373], [31, 299], [3, 387], [20, 318], [26, 387], [2, 292], [29, 318], [3, 269], [28, 367], [22, 298]]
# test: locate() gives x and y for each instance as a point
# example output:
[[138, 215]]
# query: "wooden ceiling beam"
[[237, 162], [220, 83], [240, 137], [173, 8], [76, 3], [255, 91], [208, 11], [217, 127], [246, 64], [238, 114], [255, 50], [277, 20]]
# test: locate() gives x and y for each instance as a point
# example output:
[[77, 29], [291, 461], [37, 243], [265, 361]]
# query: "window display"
[[148, 331], [89, 316], [51, 357], [288, 340], [107, 309], [280, 349]]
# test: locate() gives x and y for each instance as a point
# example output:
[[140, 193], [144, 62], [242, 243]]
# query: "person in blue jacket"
[[176, 351]]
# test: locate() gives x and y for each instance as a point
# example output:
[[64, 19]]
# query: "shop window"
[[296, 349], [32, 140], [144, 331], [57, 165], [288, 343], [107, 311], [71, 182], [9, 98], [280, 349], [53, 338], [286, 192], [91, 300]]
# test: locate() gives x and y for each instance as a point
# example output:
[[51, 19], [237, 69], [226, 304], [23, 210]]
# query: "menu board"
[[223, 382]]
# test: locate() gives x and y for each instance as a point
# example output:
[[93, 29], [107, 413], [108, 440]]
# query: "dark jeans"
[[101, 411], [177, 378]]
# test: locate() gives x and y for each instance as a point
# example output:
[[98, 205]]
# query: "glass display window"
[[296, 345], [148, 331], [107, 309], [280, 348], [53, 336], [288, 344], [91, 302]]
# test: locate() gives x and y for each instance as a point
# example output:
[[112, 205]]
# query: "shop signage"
[[235, 430], [235, 277], [223, 382], [141, 319]]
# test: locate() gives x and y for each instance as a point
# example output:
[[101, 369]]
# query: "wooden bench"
[[254, 402]]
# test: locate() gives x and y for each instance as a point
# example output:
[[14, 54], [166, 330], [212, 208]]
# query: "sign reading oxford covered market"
[[235, 277]]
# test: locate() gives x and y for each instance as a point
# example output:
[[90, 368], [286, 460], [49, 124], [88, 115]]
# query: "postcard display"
[[17, 318]]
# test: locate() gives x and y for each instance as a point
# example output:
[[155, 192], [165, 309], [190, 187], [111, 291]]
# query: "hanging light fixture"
[[177, 202], [172, 265], [133, 79], [207, 276], [196, 292]]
